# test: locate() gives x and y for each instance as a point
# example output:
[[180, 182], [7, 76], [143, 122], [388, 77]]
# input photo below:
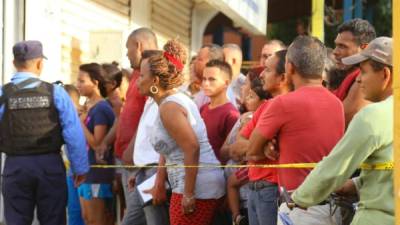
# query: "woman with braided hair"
[[180, 137]]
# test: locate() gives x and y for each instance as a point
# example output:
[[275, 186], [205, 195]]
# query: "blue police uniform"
[[38, 180]]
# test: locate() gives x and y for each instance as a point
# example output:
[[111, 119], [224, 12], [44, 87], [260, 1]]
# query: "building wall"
[[172, 19], [81, 31], [12, 21], [257, 42], [91, 32]]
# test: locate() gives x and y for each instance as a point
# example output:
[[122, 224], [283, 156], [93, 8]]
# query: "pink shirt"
[[344, 88], [308, 123], [256, 174]]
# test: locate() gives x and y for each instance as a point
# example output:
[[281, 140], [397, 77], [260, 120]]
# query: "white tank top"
[[210, 182]]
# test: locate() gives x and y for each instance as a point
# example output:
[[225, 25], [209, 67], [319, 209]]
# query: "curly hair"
[[256, 83], [170, 76], [362, 30]]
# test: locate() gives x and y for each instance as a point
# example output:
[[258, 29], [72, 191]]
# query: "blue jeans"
[[263, 206], [73, 207]]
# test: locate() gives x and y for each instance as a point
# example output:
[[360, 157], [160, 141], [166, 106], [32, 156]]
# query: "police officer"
[[36, 119]]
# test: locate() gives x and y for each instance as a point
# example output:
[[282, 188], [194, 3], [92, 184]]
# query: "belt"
[[324, 202], [148, 167], [259, 185], [142, 168], [151, 164]]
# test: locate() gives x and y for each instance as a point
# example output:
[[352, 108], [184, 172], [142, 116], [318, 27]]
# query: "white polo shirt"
[[143, 152]]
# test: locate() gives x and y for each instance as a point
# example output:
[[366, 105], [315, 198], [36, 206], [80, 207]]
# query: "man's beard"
[[336, 76]]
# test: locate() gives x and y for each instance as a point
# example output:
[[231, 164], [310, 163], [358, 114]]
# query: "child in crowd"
[[220, 115], [73, 205]]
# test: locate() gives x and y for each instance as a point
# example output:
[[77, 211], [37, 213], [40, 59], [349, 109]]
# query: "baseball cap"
[[379, 49], [26, 50]]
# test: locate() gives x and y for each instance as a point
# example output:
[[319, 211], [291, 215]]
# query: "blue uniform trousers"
[[35, 181]]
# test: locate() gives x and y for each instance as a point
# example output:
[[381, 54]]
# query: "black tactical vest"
[[30, 123]]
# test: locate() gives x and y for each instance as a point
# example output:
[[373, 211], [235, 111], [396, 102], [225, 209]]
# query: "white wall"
[[12, 22], [249, 14], [1, 41], [80, 19], [201, 16], [42, 22], [75, 32]]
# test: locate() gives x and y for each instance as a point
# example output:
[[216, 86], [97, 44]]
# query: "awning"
[[249, 14]]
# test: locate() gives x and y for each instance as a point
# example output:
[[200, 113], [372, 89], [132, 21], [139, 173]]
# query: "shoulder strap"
[[7, 90], [11, 87], [26, 82], [49, 87]]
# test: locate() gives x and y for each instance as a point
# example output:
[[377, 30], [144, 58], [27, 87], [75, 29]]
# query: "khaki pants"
[[315, 215]]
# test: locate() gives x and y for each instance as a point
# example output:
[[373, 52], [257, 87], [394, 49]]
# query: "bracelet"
[[186, 198]]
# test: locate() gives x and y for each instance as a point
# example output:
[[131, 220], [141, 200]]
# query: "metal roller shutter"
[[172, 19], [121, 6]]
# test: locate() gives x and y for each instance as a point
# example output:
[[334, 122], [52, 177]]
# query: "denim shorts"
[[89, 191]]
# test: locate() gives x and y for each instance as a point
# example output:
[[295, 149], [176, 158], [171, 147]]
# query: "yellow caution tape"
[[378, 166], [67, 164], [364, 166]]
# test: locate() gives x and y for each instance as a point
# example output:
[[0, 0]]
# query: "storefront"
[[81, 31], [250, 15]]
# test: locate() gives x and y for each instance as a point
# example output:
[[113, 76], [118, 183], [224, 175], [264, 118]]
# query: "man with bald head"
[[234, 57], [138, 41], [269, 49], [125, 128]]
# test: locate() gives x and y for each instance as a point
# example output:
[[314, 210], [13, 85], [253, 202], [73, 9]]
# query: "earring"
[[153, 89]]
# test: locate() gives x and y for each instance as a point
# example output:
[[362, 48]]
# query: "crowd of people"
[[202, 140]]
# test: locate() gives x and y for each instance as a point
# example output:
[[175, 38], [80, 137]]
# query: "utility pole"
[[317, 19], [396, 95]]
